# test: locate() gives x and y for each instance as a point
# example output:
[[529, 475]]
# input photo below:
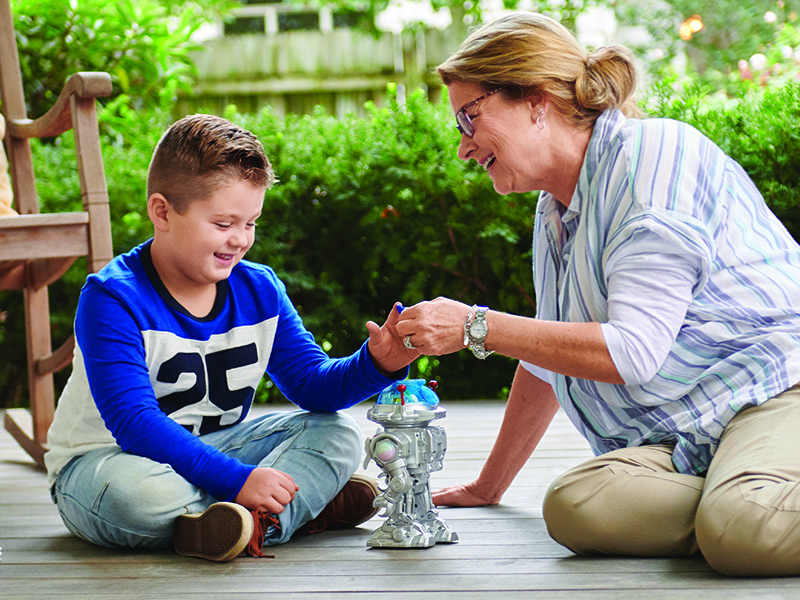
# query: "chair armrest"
[[49, 235], [58, 119]]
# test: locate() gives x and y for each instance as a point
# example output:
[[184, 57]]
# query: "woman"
[[667, 321]]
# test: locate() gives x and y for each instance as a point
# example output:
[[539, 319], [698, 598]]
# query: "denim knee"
[[112, 506], [342, 435], [340, 422]]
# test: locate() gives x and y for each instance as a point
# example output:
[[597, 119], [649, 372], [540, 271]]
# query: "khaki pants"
[[744, 516]]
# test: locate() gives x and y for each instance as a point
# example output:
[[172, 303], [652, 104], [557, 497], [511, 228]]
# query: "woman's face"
[[507, 142]]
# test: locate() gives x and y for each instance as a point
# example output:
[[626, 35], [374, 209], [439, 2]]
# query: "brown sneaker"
[[219, 533], [262, 521], [350, 507]]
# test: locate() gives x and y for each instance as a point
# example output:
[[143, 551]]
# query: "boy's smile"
[[195, 250]]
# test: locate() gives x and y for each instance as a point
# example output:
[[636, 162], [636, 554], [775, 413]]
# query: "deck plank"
[[504, 551]]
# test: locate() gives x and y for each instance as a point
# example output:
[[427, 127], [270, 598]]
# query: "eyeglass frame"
[[463, 122]]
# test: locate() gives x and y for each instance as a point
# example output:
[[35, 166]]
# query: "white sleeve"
[[537, 371], [648, 296]]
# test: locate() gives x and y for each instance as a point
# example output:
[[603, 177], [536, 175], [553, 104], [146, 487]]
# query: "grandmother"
[[667, 324]]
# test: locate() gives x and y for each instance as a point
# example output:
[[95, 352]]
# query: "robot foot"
[[447, 537], [406, 536], [441, 533], [412, 535]]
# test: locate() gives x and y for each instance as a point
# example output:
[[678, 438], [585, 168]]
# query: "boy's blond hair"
[[199, 154]]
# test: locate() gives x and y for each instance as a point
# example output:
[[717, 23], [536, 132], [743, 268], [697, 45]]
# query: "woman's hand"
[[436, 327], [463, 496], [268, 490]]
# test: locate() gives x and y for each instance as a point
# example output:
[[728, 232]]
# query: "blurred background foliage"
[[729, 46], [372, 210]]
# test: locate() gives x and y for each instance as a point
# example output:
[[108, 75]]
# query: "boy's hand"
[[268, 490], [386, 346]]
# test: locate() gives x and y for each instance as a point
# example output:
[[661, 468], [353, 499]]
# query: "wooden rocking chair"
[[37, 249]]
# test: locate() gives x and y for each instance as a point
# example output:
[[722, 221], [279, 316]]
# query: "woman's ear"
[[538, 110], [538, 106], [158, 211]]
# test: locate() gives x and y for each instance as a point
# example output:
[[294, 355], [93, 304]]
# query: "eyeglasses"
[[463, 122]]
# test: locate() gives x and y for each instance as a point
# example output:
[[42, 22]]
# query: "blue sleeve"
[[308, 377], [114, 356]]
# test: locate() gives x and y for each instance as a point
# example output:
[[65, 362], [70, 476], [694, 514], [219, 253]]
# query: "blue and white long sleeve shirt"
[[152, 379], [668, 244]]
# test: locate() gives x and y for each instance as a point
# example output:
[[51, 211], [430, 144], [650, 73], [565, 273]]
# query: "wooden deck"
[[503, 552]]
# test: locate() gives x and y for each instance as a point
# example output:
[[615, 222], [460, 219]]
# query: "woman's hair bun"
[[608, 79]]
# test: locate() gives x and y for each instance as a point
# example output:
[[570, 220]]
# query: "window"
[[274, 16]]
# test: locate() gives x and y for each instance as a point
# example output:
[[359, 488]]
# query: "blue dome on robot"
[[409, 391]]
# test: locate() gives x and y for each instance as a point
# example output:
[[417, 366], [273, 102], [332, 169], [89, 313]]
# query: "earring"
[[540, 119]]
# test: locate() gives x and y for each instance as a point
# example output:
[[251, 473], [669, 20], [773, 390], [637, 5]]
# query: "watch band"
[[476, 328], [467, 324]]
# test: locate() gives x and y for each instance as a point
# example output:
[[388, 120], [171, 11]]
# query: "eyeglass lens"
[[463, 122]]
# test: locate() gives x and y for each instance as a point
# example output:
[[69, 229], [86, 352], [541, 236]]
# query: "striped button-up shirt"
[[658, 192]]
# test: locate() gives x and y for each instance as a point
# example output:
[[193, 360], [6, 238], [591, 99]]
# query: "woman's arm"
[[530, 409], [573, 349]]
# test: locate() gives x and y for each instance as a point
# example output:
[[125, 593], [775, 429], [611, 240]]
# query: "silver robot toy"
[[408, 449]]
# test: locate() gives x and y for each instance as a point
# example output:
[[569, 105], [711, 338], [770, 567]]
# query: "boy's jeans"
[[112, 498]]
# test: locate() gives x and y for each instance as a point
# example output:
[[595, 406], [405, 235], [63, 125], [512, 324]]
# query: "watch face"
[[478, 330]]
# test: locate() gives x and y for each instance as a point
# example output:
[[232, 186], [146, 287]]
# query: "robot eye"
[[385, 451]]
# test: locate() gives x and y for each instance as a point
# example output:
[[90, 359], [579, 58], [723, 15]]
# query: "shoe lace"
[[262, 521]]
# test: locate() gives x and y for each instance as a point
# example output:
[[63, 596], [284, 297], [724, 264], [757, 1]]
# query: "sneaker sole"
[[373, 485], [220, 533]]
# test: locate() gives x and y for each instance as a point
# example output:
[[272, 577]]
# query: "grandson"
[[149, 445]]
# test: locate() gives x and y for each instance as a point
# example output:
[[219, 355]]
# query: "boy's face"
[[205, 243]]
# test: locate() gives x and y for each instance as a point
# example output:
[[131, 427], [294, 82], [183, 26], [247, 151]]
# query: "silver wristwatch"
[[475, 330]]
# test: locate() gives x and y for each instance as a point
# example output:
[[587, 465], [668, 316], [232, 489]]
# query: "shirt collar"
[[606, 128]]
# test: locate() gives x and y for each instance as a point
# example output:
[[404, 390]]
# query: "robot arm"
[[390, 453]]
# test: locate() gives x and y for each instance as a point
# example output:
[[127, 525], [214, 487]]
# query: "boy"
[[149, 445]]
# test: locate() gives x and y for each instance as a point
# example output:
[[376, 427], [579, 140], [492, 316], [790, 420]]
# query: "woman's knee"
[[624, 504], [739, 537], [557, 511], [568, 516]]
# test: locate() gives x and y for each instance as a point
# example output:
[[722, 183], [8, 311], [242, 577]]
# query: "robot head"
[[409, 391]]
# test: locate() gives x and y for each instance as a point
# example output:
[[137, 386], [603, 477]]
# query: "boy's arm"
[[114, 357], [307, 376]]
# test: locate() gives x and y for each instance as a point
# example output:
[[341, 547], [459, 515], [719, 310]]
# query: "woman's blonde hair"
[[528, 55]]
